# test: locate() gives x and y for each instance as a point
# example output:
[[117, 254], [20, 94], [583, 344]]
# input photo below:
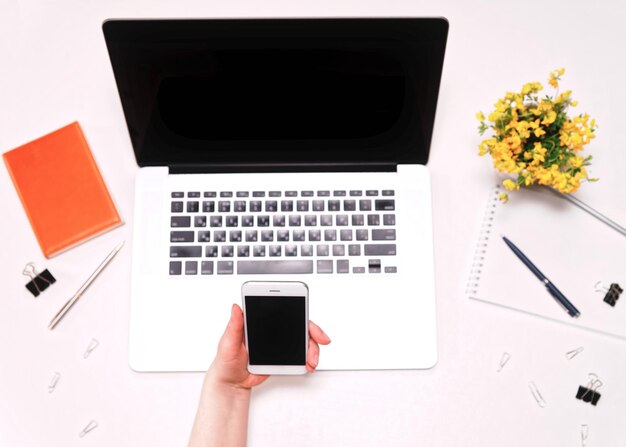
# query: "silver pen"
[[61, 313]]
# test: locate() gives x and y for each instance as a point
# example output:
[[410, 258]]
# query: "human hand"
[[231, 362]]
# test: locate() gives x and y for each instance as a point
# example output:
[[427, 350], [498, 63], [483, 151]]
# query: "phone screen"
[[276, 330]]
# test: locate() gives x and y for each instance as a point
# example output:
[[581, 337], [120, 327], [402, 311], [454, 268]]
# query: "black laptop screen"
[[256, 93]]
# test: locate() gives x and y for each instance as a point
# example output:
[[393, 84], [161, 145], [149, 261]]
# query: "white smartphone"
[[276, 316]]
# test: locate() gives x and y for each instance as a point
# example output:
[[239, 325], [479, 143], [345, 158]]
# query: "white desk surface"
[[55, 70]]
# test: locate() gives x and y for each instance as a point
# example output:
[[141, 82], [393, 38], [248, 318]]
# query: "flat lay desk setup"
[[548, 375]]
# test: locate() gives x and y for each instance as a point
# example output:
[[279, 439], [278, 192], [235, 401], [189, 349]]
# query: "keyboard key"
[[323, 193], [243, 251], [373, 219], [330, 235], [324, 266], [282, 235], [339, 250], [210, 251], [251, 236], [388, 234], [181, 236], [258, 194], [178, 195], [204, 236], [271, 206], [180, 221], [208, 206], [306, 250], [256, 206], [291, 193], [206, 268], [343, 266], [226, 194], [193, 207], [274, 267], [322, 250], [185, 251], [310, 220], [339, 193], [306, 193], [275, 194], [374, 265], [295, 221], [358, 220], [193, 194], [243, 194], [365, 205], [210, 194], [388, 192], [258, 251], [235, 236], [278, 220], [334, 205], [389, 219], [318, 205], [354, 193], [314, 235], [286, 205], [326, 220], [302, 205], [263, 221], [232, 221], [239, 206], [227, 251], [275, 250], [341, 220], [358, 269], [345, 235], [191, 267], [223, 206], [371, 192], [385, 205], [215, 221], [291, 250], [354, 250], [349, 205], [199, 221], [247, 221], [177, 207], [391, 269], [361, 235], [219, 236], [267, 235], [225, 267], [380, 249], [176, 266]]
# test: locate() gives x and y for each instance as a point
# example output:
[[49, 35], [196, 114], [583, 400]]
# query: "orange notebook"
[[61, 189]]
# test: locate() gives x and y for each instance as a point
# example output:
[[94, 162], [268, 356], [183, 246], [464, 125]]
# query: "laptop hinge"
[[284, 167]]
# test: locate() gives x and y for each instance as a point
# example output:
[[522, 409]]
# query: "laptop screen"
[[292, 93]]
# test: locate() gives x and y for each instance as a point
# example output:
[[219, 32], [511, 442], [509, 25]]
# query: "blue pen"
[[556, 293]]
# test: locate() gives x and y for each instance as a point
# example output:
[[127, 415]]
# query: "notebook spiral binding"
[[478, 260]]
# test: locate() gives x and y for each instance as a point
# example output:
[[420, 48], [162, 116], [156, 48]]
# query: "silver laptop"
[[281, 150]]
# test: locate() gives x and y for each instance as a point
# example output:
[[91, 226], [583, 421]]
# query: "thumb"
[[233, 334]]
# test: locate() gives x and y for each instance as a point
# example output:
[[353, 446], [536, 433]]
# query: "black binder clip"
[[612, 293], [590, 393], [38, 281]]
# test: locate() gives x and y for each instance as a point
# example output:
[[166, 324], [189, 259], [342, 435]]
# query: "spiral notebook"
[[571, 247]]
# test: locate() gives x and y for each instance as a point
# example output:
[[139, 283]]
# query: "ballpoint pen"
[[67, 306], [556, 293]]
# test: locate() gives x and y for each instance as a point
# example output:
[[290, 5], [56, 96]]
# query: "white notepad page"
[[573, 249]]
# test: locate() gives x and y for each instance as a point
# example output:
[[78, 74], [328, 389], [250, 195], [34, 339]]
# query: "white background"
[[54, 69]]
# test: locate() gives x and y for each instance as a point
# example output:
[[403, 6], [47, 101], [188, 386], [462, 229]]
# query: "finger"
[[253, 380], [317, 334], [232, 339], [313, 356]]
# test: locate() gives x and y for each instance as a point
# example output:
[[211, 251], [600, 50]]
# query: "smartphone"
[[276, 324]]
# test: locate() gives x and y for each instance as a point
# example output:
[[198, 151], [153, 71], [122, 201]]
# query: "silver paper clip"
[[93, 344], [584, 433], [503, 360], [569, 355], [92, 424], [536, 394], [53, 382]]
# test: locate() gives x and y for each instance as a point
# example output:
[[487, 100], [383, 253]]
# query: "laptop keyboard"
[[278, 232]]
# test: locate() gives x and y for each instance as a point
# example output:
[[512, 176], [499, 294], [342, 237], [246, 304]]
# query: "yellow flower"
[[504, 197], [549, 119], [510, 185], [539, 131], [555, 77], [480, 116]]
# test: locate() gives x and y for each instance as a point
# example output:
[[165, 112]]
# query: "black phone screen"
[[276, 330]]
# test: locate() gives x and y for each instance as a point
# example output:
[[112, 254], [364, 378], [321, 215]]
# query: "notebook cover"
[[572, 248], [61, 189]]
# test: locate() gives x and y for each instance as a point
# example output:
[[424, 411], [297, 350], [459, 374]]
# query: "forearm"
[[222, 417]]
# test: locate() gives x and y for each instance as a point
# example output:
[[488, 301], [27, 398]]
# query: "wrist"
[[217, 387]]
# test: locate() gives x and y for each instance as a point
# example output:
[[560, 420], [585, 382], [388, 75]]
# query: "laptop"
[[281, 150]]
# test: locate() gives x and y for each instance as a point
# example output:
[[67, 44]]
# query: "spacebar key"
[[276, 267]]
